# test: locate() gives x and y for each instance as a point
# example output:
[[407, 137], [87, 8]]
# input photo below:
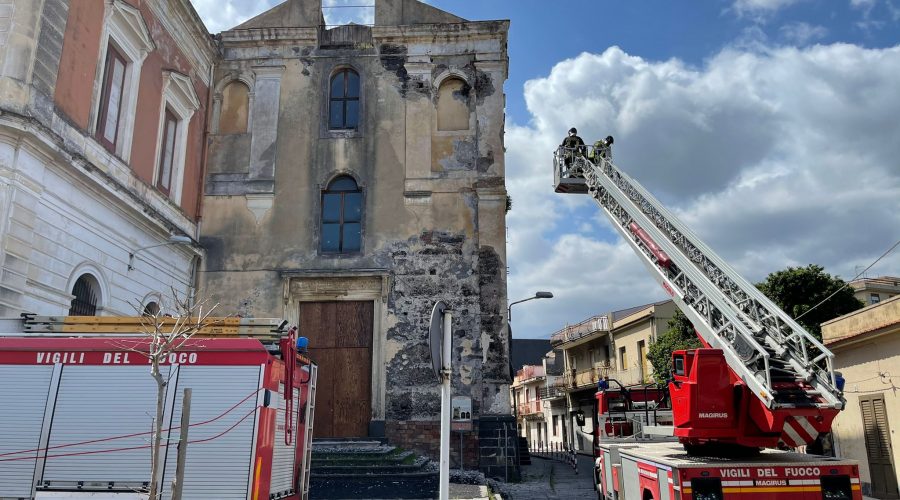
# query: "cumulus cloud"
[[775, 157]]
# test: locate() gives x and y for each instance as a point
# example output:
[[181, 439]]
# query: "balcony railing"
[[579, 330], [590, 377], [552, 392], [528, 372], [531, 408]]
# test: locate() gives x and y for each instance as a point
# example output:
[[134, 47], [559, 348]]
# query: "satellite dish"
[[436, 337]]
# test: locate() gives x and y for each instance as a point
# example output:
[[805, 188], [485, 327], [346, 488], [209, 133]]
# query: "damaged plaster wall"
[[434, 201]]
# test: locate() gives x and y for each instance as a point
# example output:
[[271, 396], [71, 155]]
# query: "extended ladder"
[[781, 363]]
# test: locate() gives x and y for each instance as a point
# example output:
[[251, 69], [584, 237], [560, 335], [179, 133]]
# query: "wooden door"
[[340, 340], [878, 446]]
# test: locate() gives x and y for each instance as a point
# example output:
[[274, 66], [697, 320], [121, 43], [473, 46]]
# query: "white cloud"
[[801, 33], [775, 157], [758, 8], [221, 15], [338, 12]]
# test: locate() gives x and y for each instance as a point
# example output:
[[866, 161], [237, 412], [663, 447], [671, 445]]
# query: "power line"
[[885, 254]]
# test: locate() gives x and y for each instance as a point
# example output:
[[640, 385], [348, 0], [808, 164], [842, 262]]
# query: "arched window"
[[342, 216], [453, 105], [86, 291], [343, 113], [235, 108]]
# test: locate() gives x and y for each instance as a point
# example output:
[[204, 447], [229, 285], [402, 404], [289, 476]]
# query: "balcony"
[[552, 392], [528, 372], [580, 330], [588, 378], [531, 408]]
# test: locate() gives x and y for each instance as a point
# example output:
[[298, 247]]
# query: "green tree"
[[797, 289], [679, 335]]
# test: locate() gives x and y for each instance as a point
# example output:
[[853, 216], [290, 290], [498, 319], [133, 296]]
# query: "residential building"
[[526, 390], [874, 290], [102, 117], [355, 177], [866, 344], [612, 346]]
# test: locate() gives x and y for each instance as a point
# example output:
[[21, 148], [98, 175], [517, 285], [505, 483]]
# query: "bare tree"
[[168, 329]]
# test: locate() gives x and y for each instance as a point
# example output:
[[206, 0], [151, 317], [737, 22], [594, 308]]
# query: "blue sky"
[[769, 126]]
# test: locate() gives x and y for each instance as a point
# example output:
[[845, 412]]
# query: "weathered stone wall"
[[434, 201]]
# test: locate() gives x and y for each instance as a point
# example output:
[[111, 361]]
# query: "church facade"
[[354, 177]]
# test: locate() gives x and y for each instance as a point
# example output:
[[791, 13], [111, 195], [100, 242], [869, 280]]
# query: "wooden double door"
[[340, 341]]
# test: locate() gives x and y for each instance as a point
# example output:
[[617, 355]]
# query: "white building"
[[102, 113]]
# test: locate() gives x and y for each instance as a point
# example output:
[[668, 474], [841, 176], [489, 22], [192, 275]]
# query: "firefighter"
[[600, 150], [572, 146]]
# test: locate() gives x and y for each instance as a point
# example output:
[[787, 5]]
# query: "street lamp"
[[173, 240], [538, 295]]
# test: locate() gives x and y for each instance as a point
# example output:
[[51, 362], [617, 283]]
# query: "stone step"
[[344, 469], [356, 459], [346, 486], [355, 443]]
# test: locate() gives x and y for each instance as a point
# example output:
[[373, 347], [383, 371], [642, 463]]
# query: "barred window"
[[85, 290]]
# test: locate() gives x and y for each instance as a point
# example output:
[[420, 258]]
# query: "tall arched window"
[[343, 113], [342, 216], [86, 291]]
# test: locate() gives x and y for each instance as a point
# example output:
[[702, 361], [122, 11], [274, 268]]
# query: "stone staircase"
[[369, 468]]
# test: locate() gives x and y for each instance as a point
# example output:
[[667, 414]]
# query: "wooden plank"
[[137, 320], [354, 324], [102, 329], [352, 398]]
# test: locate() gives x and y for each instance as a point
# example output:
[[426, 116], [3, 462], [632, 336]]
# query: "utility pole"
[[445, 407], [178, 482]]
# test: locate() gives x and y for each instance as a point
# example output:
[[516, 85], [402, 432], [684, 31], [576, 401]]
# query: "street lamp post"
[[173, 240], [538, 295]]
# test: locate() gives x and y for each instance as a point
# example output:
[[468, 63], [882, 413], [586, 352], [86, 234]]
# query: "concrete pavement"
[[551, 479]]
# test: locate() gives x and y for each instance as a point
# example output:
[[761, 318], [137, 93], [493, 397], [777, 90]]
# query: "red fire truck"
[[760, 382], [663, 471], [76, 414]]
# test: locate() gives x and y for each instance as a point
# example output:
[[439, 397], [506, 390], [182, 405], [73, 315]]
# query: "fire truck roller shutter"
[[631, 483], [283, 457], [22, 405], [98, 402], [219, 469]]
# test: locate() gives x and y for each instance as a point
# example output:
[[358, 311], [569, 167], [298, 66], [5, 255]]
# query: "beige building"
[[866, 344], [355, 177], [874, 290], [613, 346]]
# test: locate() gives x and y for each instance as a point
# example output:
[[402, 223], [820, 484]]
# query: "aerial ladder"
[[762, 381]]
